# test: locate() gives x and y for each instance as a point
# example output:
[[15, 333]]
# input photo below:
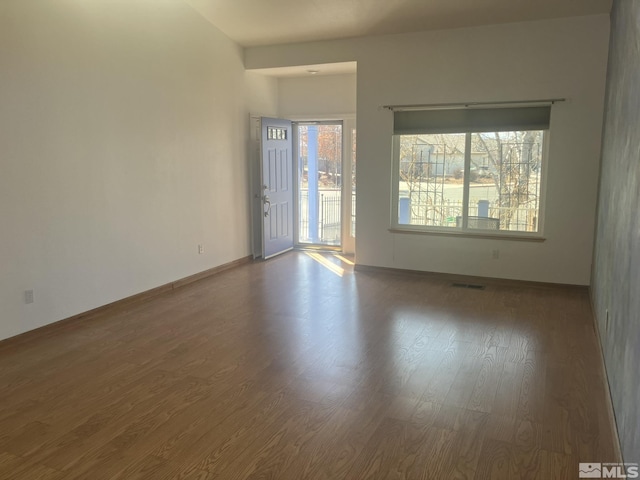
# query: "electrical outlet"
[[200, 249], [28, 296], [495, 254]]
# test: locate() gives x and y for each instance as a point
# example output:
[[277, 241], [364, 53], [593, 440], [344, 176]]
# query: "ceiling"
[[268, 22]]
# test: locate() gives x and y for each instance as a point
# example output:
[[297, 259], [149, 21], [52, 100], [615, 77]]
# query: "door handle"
[[266, 201]]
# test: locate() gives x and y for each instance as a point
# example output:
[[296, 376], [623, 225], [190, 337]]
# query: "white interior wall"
[[564, 58], [123, 131], [262, 95], [317, 97]]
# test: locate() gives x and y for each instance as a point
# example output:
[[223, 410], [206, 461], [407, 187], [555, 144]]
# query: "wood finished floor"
[[286, 370]]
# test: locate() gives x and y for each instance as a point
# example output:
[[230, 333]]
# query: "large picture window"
[[474, 171]]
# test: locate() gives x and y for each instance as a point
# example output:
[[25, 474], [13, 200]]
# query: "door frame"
[[348, 187], [255, 183]]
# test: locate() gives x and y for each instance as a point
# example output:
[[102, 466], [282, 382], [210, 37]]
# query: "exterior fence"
[[329, 217], [521, 219]]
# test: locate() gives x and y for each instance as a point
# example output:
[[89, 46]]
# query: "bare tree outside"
[[515, 161]]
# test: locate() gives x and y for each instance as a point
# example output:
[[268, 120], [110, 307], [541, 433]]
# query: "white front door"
[[277, 186]]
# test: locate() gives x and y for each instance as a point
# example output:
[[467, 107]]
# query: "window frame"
[[464, 231]]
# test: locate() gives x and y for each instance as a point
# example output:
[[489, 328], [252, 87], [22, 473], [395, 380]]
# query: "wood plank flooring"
[[299, 368]]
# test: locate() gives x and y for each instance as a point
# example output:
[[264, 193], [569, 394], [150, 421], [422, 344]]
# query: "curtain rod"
[[444, 106]]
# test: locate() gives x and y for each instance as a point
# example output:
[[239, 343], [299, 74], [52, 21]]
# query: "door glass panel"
[[319, 183]]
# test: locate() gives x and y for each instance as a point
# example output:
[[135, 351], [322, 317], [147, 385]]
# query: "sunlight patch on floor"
[[345, 260], [326, 263]]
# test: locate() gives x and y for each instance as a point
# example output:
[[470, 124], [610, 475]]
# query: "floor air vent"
[[468, 285]]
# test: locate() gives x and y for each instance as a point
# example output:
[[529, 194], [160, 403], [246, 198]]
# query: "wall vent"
[[468, 285]]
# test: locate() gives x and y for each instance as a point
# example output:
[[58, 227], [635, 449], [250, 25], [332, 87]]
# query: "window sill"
[[471, 234]]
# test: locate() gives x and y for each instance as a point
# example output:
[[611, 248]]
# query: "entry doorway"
[[325, 186]]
